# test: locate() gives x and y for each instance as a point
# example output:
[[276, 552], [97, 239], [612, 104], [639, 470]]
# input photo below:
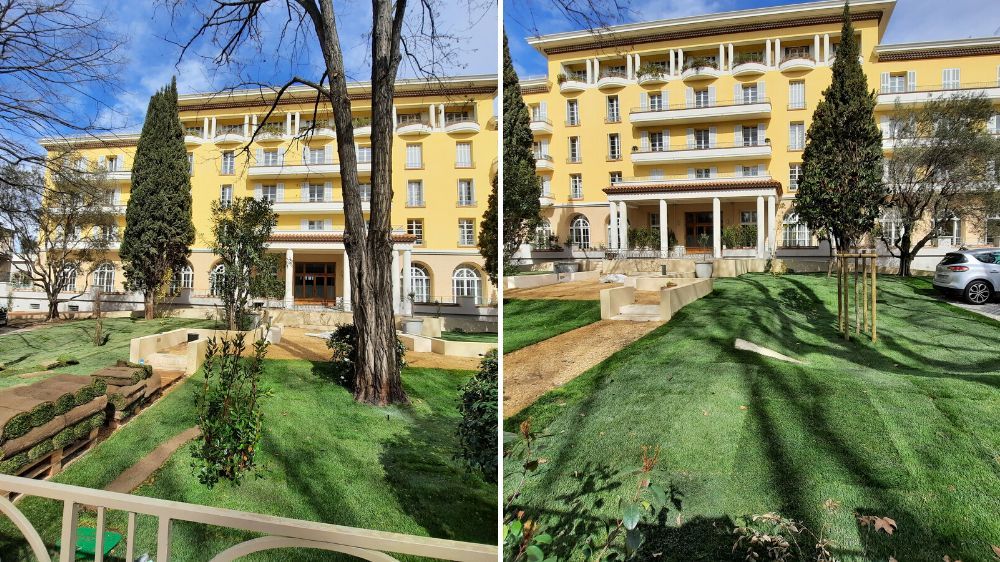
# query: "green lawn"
[[325, 458], [24, 352], [482, 337], [905, 428], [527, 322]]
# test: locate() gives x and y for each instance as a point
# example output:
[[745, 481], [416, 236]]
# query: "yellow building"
[[690, 127], [444, 154]]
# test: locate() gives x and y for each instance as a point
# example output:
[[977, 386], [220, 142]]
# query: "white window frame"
[[579, 231], [415, 193], [228, 163], [415, 227], [797, 136], [576, 186], [466, 232], [466, 193], [466, 282], [104, 277]]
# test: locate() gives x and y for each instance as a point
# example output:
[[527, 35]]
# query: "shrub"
[[649, 238], [477, 432], [344, 342], [650, 69], [229, 412], [742, 236]]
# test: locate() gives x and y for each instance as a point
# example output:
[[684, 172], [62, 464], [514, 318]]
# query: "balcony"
[[798, 63], [270, 132], [466, 125], [758, 108], [541, 125], [413, 128], [546, 200], [700, 69], [572, 82], [119, 175], [923, 94], [611, 80], [301, 169], [362, 126], [649, 75], [229, 134], [192, 137], [313, 207], [714, 153], [749, 68], [312, 130], [543, 162]]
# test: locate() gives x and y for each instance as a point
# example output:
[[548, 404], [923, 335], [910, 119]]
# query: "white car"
[[973, 274]]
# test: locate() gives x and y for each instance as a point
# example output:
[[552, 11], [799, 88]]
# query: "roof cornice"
[[939, 49], [722, 23]]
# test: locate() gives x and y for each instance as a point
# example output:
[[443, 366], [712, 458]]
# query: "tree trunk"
[[905, 255], [150, 299], [53, 312]]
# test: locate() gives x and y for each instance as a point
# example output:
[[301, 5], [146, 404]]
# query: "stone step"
[[167, 362], [640, 310], [637, 317]]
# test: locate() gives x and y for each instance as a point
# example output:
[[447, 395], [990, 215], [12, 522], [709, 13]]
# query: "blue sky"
[[152, 53], [912, 20]]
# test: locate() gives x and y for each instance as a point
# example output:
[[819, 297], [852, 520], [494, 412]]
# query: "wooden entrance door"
[[316, 283], [696, 225]]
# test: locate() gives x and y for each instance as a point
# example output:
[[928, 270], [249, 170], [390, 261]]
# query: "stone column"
[[347, 282], [761, 228], [622, 226], [680, 61], [816, 48], [204, 130], [635, 66], [673, 64], [716, 227], [628, 67], [613, 225], [433, 121], [826, 48], [771, 213], [597, 70], [395, 281], [407, 282], [246, 125], [664, 230], [767, 53], [722, 57], [289, 278], [732, 58], [777, 52], [590, 71]]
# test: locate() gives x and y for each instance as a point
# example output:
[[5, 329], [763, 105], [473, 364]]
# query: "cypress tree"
[[521, 188], [842, 189], [158, 228]]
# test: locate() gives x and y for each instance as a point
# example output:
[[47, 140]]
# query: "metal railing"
[[703, 105], [940, 87], [278, 532], [701, 146]]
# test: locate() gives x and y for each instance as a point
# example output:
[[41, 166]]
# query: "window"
[[269, 158], [575, 186], [797, 94], [269, 193], [991, 234], [415, 228], [104, 277], [114, 164], [703, 173], [702, 138], [614, 147], [701, 98], [315, 224], [183, 279], [366, 192], [892, 226], [750, 171], [748, 217], [546, 185], [109, 233], [407, 119], [798, 52], [415, 193], [616, 177], [465, 282], [538, 113], [656, 141], [21, 280], [228, 163], [572, 112], [614, 116], [750, 94], [315, 192], [949, 231], [420, 283], [896, 84], [951, 78], [226, 195], [452, 117], [656, 101], [543, 235], [579, 232], [414, 156], [750, 135], [574, 149], [68, 277], [216, 280], [794, 176], [364, 154], [191, 163], [795, 234], [463, 154], [314, 156], [466, 193], [797, 136], [466, 232]]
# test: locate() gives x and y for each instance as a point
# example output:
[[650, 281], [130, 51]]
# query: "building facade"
[[689, 133], [444, 155]]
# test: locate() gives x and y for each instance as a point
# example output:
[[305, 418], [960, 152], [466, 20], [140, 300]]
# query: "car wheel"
[[978, 292]]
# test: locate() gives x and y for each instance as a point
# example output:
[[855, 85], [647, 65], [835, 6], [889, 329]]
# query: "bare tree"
[[943, 165], [59, 231], [232, 24]]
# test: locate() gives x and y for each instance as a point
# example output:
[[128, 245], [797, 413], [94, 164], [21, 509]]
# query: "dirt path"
[[534, 370], [572, 291], [295, 344], [142, 470]]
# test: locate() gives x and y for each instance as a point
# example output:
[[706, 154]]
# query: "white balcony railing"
[[278, 532]]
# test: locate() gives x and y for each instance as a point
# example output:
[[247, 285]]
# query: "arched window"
[[543, 234], [215, 279], [795, 234], [466, 282], [579, 231], [183, 279], [69, 277], [421, 283], [104, 277]]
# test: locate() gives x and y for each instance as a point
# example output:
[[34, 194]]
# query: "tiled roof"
[[716, 185]]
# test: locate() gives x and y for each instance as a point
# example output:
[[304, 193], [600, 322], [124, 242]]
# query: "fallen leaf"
[[996, 550], [744, 408], [885, 524], [704, 412]]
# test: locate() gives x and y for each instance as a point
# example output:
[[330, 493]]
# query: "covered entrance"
[[698, 232], [315, 283]]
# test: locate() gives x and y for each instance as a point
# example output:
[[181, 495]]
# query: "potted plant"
[[561, 77], [703, 269]]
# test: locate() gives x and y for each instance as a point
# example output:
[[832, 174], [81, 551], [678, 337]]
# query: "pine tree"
[[521, 188], [488, 230], [842, 189], [158, 228]]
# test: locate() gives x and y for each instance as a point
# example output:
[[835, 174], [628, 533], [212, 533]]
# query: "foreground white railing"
[[281, 532]]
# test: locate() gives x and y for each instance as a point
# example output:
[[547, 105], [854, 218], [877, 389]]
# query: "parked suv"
[[975, 274], [3, 316]]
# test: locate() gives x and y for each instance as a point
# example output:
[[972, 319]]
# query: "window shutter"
[[543, 108], [304, 188], [644, 100], [690, 138], [739, 171], [304, 224], [737, 93], [280, 196], [257, 192], [885, 82], [739, 134], [117, 196], [689, 96], [328, 191], [712, 133], [101, 161], [328, 224], [644, 140], [911, 81], [761, 90], [885, 126], [711, 95], [305, 155], [664, 99], [260, 155], [761, 133], [713, 171], [690, 173], [281, 156]]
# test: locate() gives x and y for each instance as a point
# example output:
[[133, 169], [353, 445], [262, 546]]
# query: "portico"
[[695, 214]]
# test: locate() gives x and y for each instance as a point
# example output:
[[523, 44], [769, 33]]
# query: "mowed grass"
[[323, 458], [527, 322], [904, 428], [24, 352], [481, 337]]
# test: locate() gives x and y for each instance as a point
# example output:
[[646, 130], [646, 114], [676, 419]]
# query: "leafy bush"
[[649, 238], [742, 236], [477, 432], [229, 412], [344, 343], [650, 69]]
